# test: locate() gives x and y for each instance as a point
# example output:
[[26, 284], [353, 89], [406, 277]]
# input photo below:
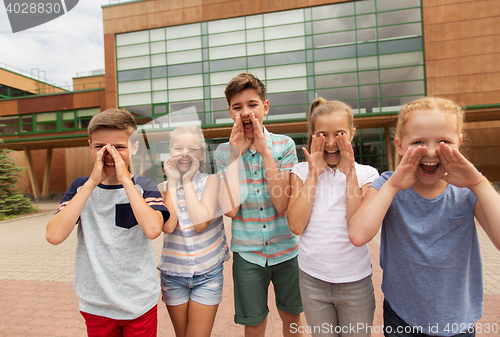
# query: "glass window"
[[292, 84], [219, 104], [185, 94], [335, 53], [160, 97], [258, 72], [177, 32], [285, 58], [412, 29], [134, 50], [135, 99], [401, 60], [277, 46], [287, 112], [255, 48], [368, 106], [333, 25], [185, 81], [197, 105], [365, 63], [368, 77], [158, 60], [402, 74], [133, 63], [227, 52], [223, 77], [254, 21], [158, 47], [226, 38], [366, 6], [184, 57], [368, 91], [255, 61], [397, 46], [387, 5], [288, 98], [284, 31], [333, 11], [281, 18], [366, 35], [403, 89], [294, 70], [392, 18], [333, 39], [160, 109], [44, 127], [341, 94], [255, 35], [159, 84], [136, 86], [143, 110], [69, 124], [336, 66], [132, 38], [184, 44], [228, 64], [41, 117], [226, 25], [394, 104], [336, 80], [365, 21], [184, 69], [157, 34], [158, 72], [217, 91]]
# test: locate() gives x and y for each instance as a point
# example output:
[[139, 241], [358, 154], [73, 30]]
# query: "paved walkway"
[[37, 298]]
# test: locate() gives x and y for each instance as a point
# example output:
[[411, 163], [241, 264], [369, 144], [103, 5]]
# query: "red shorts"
[[144, 326]]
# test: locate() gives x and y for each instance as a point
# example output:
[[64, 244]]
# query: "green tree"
[[12, 202]]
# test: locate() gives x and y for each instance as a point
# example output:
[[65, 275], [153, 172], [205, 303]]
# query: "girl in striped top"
[[194, 244]]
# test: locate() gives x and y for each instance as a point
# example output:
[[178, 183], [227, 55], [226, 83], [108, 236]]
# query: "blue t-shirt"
[[115, 267], [429, 252]]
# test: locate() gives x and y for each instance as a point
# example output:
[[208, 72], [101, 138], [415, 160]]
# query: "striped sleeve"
[[289, 156], [221, 155]]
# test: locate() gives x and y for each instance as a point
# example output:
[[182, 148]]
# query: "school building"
[[168, 63]]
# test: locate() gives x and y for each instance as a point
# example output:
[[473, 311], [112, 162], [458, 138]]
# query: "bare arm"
[[366, 222], [201, 212], [301, 201], [170, 198]]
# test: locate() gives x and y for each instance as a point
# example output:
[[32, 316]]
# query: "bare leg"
[[179, 316], [289, 319], [256, 331], [200, 319]]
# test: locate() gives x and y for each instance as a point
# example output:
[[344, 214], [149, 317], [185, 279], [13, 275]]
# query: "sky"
[[70, 44]]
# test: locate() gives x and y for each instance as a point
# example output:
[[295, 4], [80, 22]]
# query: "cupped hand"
[[316, 159], [346, 164], [195, 165], [98, 175], [122, 173], [259, 139], [237, 139], [405, 174], [459, 171], [170, 168]]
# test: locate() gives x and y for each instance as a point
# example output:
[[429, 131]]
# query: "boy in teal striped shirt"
[[254, 170]]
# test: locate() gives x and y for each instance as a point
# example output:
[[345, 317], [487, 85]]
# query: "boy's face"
[[117, 138], [243, 103]]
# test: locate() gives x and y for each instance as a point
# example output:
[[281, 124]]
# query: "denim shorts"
[[205, 289]]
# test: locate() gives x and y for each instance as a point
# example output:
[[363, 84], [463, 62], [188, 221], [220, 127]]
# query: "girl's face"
[[181, 146], [330, 126], [429, 129]]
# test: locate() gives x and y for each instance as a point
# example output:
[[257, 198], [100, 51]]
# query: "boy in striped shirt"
[[254, 170]]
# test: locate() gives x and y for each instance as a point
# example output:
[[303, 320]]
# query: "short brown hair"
[[112, 119], [242, 82], [322, 107]]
